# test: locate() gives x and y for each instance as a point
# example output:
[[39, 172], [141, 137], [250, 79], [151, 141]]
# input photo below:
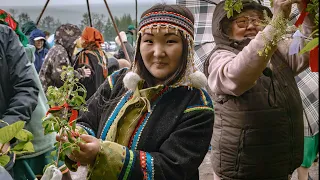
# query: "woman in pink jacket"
[[258, 129]]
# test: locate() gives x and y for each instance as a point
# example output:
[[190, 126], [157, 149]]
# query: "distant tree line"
[[99, 21], [105, 26]]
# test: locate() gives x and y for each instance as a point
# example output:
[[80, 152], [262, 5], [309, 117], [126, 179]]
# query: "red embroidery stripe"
[[160, 93], [143, 163], [136, 129]]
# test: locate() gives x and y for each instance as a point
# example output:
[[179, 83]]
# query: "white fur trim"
[[131, 80], [198, 79], [123, 38]]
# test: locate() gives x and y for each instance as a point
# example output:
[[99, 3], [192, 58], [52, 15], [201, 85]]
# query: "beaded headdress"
[[178, 22]]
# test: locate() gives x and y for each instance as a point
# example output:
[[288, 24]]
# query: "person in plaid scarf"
[[308, 83]]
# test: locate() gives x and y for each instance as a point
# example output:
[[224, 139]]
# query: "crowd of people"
[[153, 114]]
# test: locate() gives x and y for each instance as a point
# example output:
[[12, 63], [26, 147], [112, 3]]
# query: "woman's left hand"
[[88, 151]]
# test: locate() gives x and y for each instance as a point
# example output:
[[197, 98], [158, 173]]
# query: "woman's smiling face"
[[246, 24], [161, 52]]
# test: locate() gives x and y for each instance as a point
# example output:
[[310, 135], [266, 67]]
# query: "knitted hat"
[[163, 19]]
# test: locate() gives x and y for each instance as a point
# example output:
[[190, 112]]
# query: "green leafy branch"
[[313, 9], [65, 102], [23, 137], [232, 5], [280, 25]]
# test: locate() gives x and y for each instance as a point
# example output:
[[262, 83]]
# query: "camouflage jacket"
[[60, 55]]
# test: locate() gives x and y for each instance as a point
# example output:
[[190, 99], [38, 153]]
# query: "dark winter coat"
[[18, 88], [258, 130], [99, 71]]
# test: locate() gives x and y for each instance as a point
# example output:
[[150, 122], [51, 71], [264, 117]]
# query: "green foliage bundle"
[[313, 8], [22, 136], [233, 5], [281, 25], [65, 102]]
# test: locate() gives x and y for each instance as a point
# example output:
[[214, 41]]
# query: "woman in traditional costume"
[[153, 121]]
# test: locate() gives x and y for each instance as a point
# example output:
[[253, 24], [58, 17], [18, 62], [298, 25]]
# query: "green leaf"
[[23, 147], [70, 137], [312, 44], [53, 153], [24, 135], [229, 14], [56, 127], [314, 32], [77, 101], [4, 160], [67, 148], [48, 127], [19, 146], [9, 132], [238, 6], [74, 126]]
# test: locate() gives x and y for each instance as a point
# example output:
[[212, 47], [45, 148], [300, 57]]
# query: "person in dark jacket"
[[30, 165], [38, 39], [18, 88], [27, 28], [155, 120], [94, 58], [258, 131]]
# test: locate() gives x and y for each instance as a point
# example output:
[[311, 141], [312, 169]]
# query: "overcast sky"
[[69, 2]]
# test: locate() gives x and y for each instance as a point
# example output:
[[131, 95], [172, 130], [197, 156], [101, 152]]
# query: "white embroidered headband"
[[168, 20]]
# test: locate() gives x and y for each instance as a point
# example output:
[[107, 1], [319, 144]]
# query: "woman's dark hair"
[[141, 68]]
